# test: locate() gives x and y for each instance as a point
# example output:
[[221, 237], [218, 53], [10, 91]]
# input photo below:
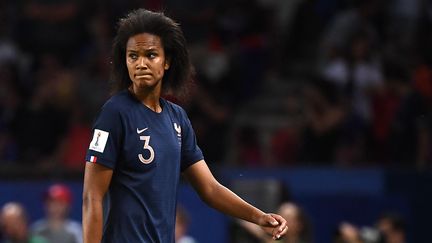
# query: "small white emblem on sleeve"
[[99, 140]]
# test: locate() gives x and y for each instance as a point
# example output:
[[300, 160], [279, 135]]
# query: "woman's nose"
[[141, 63]]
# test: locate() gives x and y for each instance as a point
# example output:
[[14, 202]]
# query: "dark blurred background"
[[330, 99]]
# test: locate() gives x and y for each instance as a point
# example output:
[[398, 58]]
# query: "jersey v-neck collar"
[[161, 103]]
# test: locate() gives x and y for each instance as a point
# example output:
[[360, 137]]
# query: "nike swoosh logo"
[[142, 130]]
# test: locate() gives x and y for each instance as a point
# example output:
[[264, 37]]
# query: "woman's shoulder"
[[175, 108], [118, 102], [171, 104]]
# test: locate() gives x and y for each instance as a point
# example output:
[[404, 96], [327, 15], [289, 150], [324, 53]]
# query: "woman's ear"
[[167, 63]]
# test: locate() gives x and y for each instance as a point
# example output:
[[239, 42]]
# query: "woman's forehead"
[[144, 40]]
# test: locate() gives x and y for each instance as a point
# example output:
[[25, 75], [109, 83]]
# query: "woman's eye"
[[152, 55], [133, 56]]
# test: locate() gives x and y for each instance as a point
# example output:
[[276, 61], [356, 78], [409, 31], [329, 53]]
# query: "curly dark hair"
[[173, 41]]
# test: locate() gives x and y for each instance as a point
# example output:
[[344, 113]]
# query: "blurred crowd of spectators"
[[367, 102], [366, 93], [372, 102], [55, 225]]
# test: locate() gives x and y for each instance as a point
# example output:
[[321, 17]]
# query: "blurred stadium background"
[[326, 103]]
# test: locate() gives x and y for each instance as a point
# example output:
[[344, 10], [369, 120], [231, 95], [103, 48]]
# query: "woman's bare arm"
[[224, 200], [96, 182]]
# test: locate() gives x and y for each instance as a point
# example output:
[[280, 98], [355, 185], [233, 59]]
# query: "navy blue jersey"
[[147, 151]]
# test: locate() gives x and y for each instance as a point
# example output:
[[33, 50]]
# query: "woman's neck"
[[149, 98]]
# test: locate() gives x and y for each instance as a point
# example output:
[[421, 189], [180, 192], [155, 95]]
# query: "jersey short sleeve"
[[190, 151], [105, 145]]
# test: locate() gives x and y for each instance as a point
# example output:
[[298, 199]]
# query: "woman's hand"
[[274, 225]]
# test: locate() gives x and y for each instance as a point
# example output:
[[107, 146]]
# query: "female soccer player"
[[142, 143]]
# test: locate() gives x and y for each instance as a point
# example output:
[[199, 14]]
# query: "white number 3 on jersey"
[[146, 140]]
